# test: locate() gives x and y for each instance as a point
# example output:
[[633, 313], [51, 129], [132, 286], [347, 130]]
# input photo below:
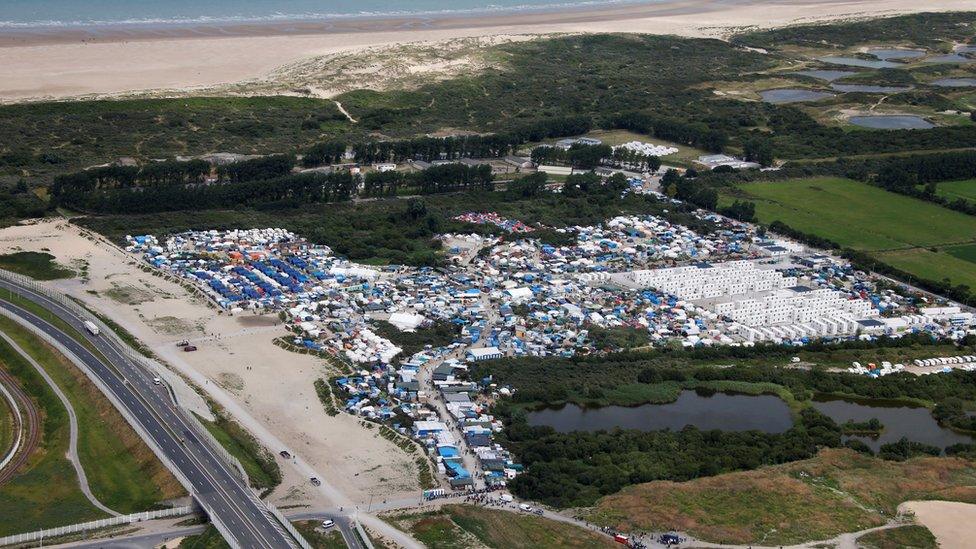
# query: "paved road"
[[73, 426], [216, 485]]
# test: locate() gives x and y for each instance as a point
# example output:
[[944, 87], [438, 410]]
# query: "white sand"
[[953, 523], [47, 66], [275, 400]]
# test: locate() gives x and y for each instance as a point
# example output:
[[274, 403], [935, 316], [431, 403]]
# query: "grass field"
[[903, 537], [958, 189], [45, 493], [838, 491], [461, 526], [37, 265], [898, 229], [122, 471], [319, 539]]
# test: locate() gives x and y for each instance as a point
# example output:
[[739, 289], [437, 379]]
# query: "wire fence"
[[97, 525]]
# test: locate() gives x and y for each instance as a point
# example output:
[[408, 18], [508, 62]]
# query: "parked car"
[[328, 523], [189, 348], [315, 481], [524, 507], [285, 454]]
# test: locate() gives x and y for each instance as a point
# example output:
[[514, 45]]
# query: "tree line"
[[442, 178]]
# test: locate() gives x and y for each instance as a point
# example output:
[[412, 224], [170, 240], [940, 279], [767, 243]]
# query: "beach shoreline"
[[84, 63]]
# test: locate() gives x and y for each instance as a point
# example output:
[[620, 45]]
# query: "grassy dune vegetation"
[[910, 234], [904, 537], [122, 471], [461, 526], [37, 265], [837, 491], [260, 466]]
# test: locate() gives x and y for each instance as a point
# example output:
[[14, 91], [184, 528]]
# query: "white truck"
[[90, 326]]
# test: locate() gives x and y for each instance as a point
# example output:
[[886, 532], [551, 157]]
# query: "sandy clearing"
[[953, 523], [273, 387], [78, 64]]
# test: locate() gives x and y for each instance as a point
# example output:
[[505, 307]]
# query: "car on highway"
[[328, 523], [157, 381]]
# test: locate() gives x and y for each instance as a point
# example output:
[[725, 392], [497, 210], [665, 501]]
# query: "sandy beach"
[[950, 521], [117, 61]]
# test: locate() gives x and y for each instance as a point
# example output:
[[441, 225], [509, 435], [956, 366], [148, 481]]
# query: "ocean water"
[[96, 13]]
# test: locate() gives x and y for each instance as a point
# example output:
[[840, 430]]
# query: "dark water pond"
[[950, 58], [867, 88], [892, 122], [893, 53], [792, 95], [857, 62], [916, 424], [956, 82], [727, 412]]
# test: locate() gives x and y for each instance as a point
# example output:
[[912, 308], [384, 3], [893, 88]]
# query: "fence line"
[[97, 524], [288, 525]]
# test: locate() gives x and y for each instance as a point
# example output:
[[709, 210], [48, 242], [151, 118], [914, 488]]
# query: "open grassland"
[[319, 539], [463, 526], [899, 230], [37, 265], [903, 537], [45, 493], [123, 473], [857, 215], [837, 491], [958, 189]]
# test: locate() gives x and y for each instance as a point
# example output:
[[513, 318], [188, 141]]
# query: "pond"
[[727, 412], [917, 424], [825, 74], [792, 95], [868, 88], [950, 58], [892, 122], [955, 82], [894, 53], [856, 62]]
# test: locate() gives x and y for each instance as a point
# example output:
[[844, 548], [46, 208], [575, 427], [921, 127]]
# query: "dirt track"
[[32, 432]]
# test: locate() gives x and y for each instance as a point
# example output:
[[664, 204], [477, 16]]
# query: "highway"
[[216, 485]]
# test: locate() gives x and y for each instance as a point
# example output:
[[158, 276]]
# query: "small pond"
[[950, 58], [868, 88], [955, 82], [894, 53], [727, 412], [916, 424], [892, 122], [829, 76], [857, 62], [792, 95]]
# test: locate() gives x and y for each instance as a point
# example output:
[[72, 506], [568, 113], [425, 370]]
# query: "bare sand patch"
[[953, 523], [276, 401]]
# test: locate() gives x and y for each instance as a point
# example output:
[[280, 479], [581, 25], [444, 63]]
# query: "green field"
[[122, 471], [37, 265], [958, 189], [45, 493], [898, 229]]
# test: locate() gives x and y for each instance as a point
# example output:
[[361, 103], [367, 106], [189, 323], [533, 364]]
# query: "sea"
[[26, 14]]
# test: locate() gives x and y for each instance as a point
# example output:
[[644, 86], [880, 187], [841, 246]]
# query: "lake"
[[894, 53], [949, 58], [856, 62], [868, 88], [727, 412], [826, 74], [892, 122], [955, 82], [917, 424], [792, 95]]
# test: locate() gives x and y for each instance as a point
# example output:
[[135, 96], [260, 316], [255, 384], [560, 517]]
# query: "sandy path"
[[269, 390], [953, 523], [72, 454], [73, 64]]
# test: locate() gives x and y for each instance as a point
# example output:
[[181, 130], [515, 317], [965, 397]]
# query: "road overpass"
[[214, 483]]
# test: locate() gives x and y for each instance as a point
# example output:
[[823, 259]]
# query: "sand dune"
[[41, 65]]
